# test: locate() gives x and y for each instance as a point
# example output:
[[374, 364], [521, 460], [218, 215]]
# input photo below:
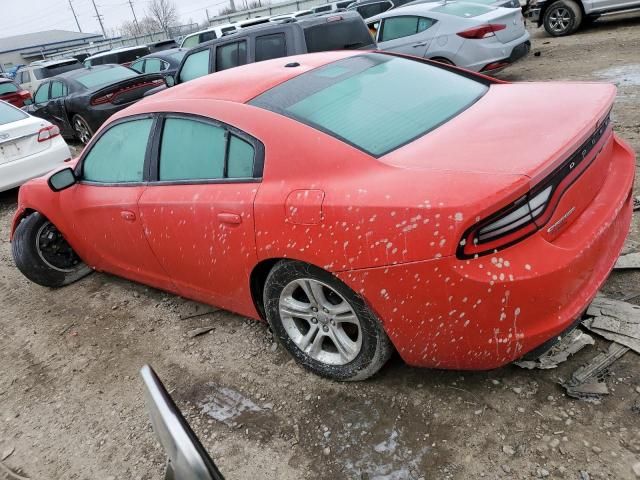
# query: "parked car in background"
[[162, 45], [491, 3], [314, 33], [564, 17], [29, 147], [11, 73], [371, 8], [469, 35], [13, 93], [360, 202], [120, 56], [286, 16], [31, 76], [165, 62], [79, 102], [218, 31], [332, 7]]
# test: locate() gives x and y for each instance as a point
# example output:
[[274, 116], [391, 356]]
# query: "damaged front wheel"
[[43, 255]]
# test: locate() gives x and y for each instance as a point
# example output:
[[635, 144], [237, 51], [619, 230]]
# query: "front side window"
[[270, 46], [398, 27], [118, 155], [58, 89], [42, 94], [191, 150], [138, 66], [366, 100], [195, 65], [231, 55], [8, 87]]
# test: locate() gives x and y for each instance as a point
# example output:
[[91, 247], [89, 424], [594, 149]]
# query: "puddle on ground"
[[622, 75]]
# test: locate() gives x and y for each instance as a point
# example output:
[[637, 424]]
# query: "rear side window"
[[366, 100], [270, 46], [7, 87], [153, 65], [206, 36], [118, 155], [9, 114], [231, 55], [398, 27], [42, 94], [195, 65], [191, 150], [340, 35], [241, 155]]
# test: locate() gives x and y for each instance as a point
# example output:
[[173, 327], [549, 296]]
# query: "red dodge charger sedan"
[[359, 202]]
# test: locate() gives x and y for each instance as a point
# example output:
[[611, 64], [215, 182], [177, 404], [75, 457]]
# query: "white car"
[[31, 76], [29, 147], [470, 35]]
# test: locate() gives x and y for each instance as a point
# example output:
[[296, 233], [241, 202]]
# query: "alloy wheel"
[[320, 321], [560, 19], [81, 128]]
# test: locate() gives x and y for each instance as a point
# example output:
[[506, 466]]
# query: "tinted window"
[[42, 94], [343, 4], [129, 55], [191, 150], [398, 27], [241, 156], [372, 9], [196, 65], [95, 78], [367, 101], [57, 69], [58, 89], [9, 114], [341, 35], [23, 77], [206, 36], [231, 55], [324, 8], [7, 87], [118, 155], [178, 55], [39, 73], [270, 46], [153, 65], [228, 30]]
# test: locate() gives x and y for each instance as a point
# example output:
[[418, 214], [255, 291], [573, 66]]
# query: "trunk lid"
[[20, 139], [511, 18], [128, 90]]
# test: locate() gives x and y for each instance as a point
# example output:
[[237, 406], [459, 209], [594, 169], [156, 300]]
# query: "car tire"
[[81, 129], [563, 17], [51, 264], [341, 319]]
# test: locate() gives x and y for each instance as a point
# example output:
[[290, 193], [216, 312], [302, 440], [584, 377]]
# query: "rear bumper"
[[486, 312], [476, 55], [17, 172], [519, 51]]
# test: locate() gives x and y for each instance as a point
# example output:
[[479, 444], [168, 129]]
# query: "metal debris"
[[571, 344], [631, 260], [615, 320], [586, 382], [199, 331]]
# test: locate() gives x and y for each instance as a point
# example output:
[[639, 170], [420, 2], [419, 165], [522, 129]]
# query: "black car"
[[370, 8], [308, 34], [165, 62], [162, 45], [78, 102]]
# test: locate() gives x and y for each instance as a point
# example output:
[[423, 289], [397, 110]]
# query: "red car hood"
[[516, 128]]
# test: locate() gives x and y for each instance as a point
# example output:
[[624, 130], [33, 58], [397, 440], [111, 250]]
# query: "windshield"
[[374, 102], [102, 77], [9, 114]]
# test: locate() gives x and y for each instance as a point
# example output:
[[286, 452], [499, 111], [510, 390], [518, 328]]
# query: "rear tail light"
[[111, 96], [24, 94], [334, 18], [532, 211], [483, 31], [47, 133]]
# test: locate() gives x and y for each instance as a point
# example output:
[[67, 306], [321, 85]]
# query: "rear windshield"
[[374, 102], [57, 69], [465, 10], [7, 87], [103, 77], [9, 114], [339, 35]]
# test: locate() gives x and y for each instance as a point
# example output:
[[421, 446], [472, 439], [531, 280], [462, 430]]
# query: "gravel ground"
[[71, 400]]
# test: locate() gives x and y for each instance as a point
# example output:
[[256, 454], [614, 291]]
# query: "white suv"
[[31, 76]]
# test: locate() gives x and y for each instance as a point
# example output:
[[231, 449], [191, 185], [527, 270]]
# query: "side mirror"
[[169, 80], [187, 458], [62, 179]]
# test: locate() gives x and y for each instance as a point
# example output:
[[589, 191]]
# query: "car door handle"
[[232, 218], [421, 44], [128, 215]]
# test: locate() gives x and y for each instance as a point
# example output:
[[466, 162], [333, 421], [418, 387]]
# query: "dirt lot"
[[71, 401]]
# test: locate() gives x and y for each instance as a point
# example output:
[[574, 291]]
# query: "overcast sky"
[[26, 16]]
